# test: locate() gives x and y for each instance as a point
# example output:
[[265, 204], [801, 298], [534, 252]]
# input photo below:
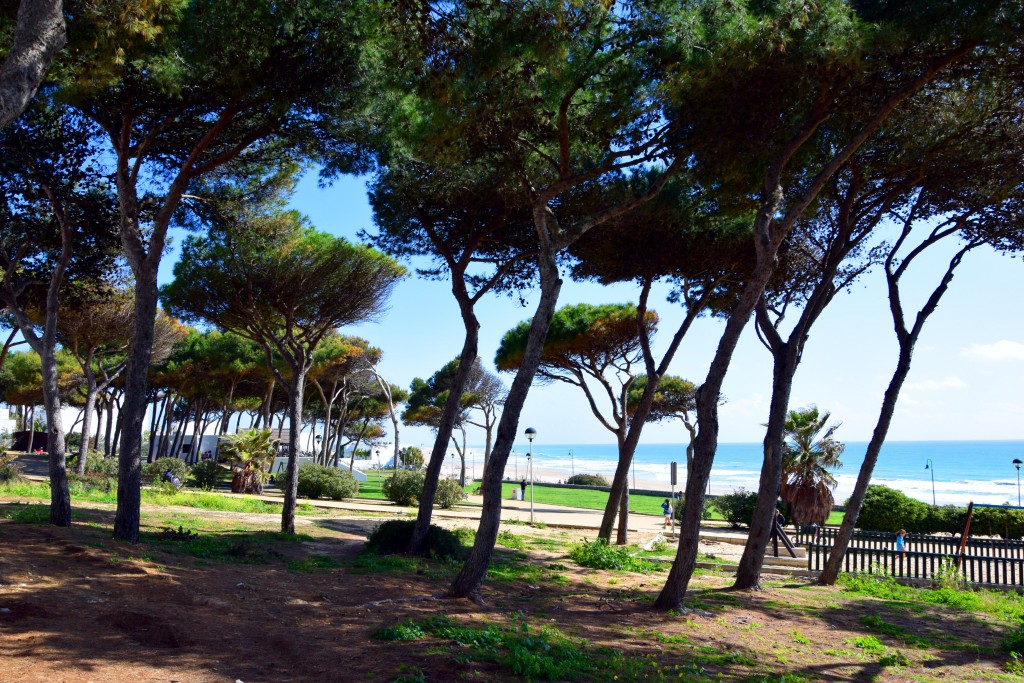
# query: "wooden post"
[[967, 530]]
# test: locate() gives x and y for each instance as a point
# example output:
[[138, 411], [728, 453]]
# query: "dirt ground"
[[77, 607]]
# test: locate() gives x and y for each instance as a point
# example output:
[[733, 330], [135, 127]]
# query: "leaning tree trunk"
[[468, 582], [748, 573], [31, 428], [417, 544], [87, 414], [835, 559], [136, 380], [291, 492], [708, 397]]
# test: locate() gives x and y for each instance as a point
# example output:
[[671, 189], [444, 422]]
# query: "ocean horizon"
[[964, 471]]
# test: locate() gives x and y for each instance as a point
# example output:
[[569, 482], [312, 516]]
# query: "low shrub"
[[449, 494], [392, 537], [737, 507], [99, 464], [587, 480], [79, 484], [680, 505], [153, 471], [599, 555], [317, 481], [404, 487], [207, 474], [9, 472]]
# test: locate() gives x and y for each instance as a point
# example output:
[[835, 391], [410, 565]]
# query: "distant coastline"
[[981, 471]]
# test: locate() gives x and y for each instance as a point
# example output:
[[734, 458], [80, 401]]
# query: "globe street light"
[[319, 440], [1017, 462], [929, 466], [530, 434]]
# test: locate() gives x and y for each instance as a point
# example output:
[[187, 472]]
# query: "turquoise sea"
[[963, 471]]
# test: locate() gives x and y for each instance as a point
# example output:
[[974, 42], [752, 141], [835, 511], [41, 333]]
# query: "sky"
[[965, 382]]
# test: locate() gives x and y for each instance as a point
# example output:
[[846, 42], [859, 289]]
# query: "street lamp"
[[319, 440], [1017, 462], [929, 466], [530, 434]]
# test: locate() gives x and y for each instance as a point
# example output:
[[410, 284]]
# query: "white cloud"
[[938, 384], [1003, 349]]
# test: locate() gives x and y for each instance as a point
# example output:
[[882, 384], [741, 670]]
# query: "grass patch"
[[248, 547], [510, 540], [26, 513], [408, 630], [1001, 604], [313, 563], [869, 644]]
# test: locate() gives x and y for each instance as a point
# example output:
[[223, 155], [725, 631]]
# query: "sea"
[[948, 472]]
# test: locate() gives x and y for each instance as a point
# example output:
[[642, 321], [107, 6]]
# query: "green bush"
[[404, 488], [997, 522], [737, 507], [680, 505], [153, 471], [317, 481], [393, 537], [98, 464], [599, 555], [887, 509], [449, 494], [587, 480], [207, 474]]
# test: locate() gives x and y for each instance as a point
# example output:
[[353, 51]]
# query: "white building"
[[6, 422]]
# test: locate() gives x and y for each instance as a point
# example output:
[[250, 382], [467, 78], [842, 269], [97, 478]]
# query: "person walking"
[[901, 541], [667, 508]]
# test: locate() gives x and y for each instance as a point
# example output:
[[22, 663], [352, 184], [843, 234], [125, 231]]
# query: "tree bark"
[[468, 582], [748, 573], [136, 380], [452, 406], [291, 492], [38, 37]]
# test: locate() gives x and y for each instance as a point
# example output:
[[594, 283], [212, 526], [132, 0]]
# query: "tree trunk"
[[31, 428], [99, 423], [119, 423], [87, 414], [622, 537], [446, 426], [136, 380], [291, 492], [708, 397], [468, 582], [38, 37], [110, 425], [748, 574]]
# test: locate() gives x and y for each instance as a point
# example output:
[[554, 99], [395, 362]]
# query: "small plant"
[[599, 555], [509, 540], [679, 505], [869, 644], [313, 563], [1014, 665], [950, 576], [449, 494], [587, 480], [9, 472], [408, 630], [403, 488], [206, 474], [799, 637], [894, 659], [410, 674]]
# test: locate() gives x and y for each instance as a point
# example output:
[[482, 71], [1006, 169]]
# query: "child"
[[667, 507], [901, 541]]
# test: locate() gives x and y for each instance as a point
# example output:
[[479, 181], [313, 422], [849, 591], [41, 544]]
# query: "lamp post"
[[319, 440], [530, 434], [929, 466], [1017, 462], [379, 467]]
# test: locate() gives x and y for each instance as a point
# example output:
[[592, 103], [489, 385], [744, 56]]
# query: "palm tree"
[[807, 483]]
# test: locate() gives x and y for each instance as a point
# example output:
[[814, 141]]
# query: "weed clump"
[[599, 555]]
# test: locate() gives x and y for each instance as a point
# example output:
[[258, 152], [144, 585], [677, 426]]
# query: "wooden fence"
[[918, 543], [977, 568]]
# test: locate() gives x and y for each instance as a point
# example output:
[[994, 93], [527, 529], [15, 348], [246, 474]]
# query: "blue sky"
[[964, 385]]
